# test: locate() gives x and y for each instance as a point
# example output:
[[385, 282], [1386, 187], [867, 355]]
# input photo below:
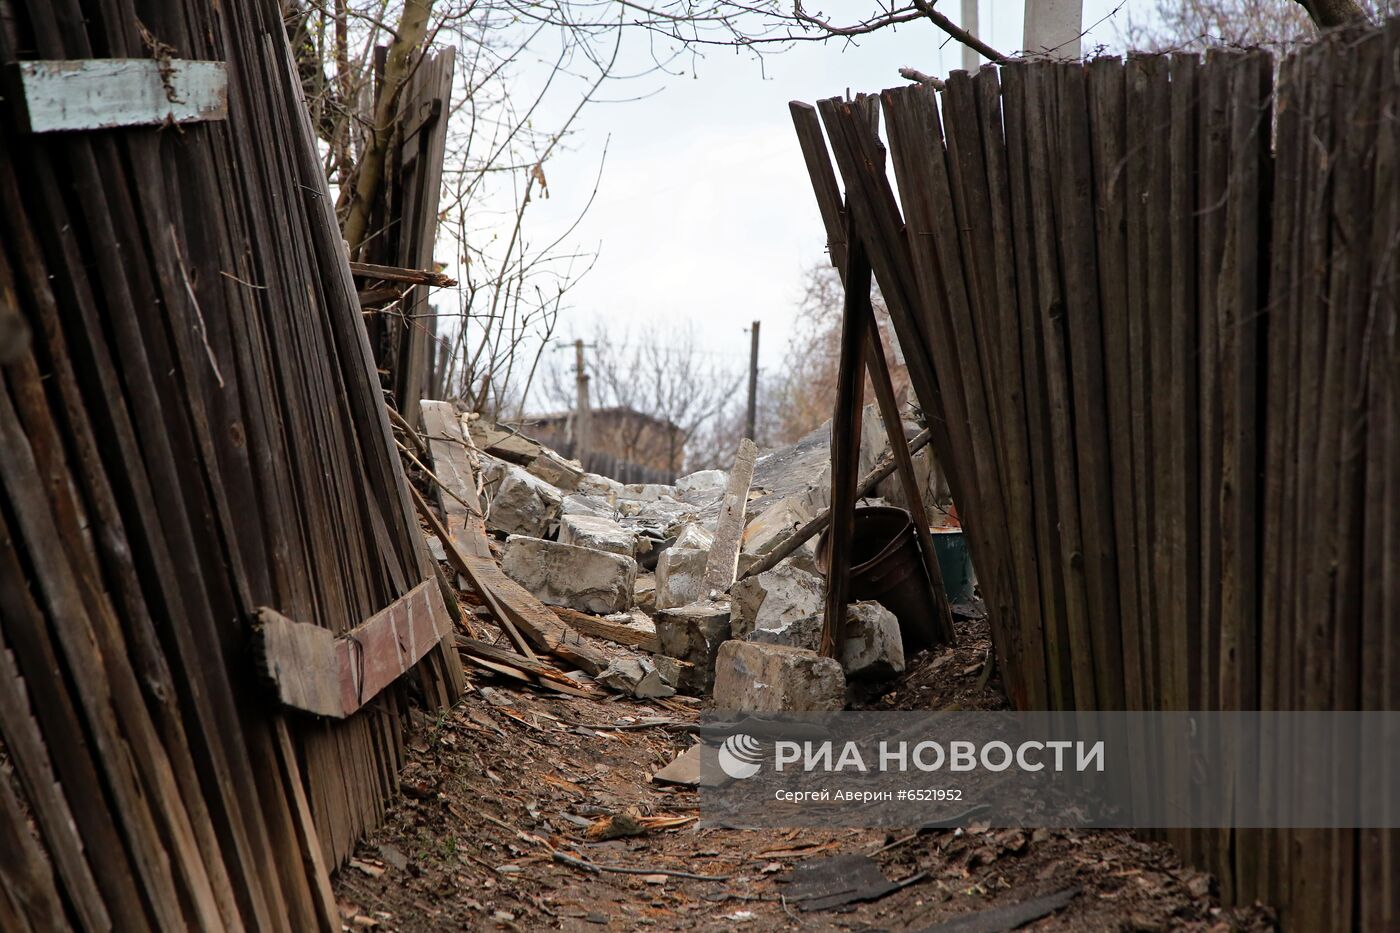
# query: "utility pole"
[[971, 60], [1053, 29], [753, 384], [583, 414]]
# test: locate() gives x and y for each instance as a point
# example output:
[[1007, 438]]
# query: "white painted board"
[[105, 93]]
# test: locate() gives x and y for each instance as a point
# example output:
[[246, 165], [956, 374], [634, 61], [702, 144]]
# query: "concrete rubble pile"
[[587, 543]]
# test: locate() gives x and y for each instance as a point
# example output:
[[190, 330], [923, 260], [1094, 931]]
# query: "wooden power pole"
[[752, 423], [583, 415]]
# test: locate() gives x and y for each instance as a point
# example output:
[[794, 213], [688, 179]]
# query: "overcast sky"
[[705, 215]]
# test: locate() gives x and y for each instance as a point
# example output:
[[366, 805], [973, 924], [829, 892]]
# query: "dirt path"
[[510, 777]]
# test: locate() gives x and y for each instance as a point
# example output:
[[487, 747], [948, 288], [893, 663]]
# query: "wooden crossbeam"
[[107, 93], [315, 671]]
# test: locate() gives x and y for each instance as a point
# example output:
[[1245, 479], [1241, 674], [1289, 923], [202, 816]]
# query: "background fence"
[[1150, 310], [190, 427]]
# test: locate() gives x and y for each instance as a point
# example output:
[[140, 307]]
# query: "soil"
[[511, 775]]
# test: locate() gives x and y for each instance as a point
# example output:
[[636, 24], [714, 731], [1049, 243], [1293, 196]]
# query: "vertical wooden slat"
[[1046, 163], [845, 445], [1008, 381], [1379, 892], [1060, 690]]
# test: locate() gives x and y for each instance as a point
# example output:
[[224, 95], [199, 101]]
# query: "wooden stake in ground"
[[845, 444], [723, 562]]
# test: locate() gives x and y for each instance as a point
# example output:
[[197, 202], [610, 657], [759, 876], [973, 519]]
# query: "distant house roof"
[[550, 418]]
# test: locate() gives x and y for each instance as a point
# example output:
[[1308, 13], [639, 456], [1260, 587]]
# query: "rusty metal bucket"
[[886, 567]]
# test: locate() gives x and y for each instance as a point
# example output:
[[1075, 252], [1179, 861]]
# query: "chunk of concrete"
[[680, 575], [694, 536], [507, 445], [693, 634], [635, 676], [647, 492], [874, 649], [579, 504], [644, 592], [801, 632], [774, 525], [555, 470], [755, 677], [704, 484], [571, 576], [603, 487], [778, 606], [633, 618], [601, 534], [523, 504]]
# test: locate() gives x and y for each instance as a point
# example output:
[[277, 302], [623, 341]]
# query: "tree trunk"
[[413, 26], [1328, 13]]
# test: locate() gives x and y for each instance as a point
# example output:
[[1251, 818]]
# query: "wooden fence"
[[1150, 310], [191, 428], [403, 229]]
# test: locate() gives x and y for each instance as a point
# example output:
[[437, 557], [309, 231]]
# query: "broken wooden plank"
[[315, 672], [458, 560], [105, 93], [616, 632], [510, 670], [447, 443], [369, 270], [534, 619], [495, 653], [723, 561]]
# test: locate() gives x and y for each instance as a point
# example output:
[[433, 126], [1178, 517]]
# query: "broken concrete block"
[[523, 504], [669, 667], [566, 575], [603, 487], [647, 492], [874, 649], [754, 677], [772, 527], [780, 604], [660, 518], [800, 632], [635, 618], [555, 470], [694, 536], [644, 592], [693, 634], [704, 484], [601, 534], [638, 677], [680, 574], [579, 504], [507, 445]]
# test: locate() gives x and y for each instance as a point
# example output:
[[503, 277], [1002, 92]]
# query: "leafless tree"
[[1198, 24]]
